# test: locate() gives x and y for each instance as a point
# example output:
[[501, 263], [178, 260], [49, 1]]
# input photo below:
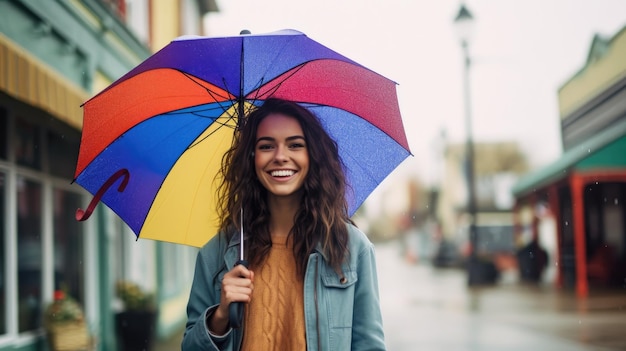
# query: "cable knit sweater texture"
[[274, 318]]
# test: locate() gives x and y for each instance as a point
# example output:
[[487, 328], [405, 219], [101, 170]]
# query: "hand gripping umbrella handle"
[[235, 309]]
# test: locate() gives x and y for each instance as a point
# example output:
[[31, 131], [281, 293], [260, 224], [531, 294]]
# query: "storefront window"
[[172, 270], [3, 284], [3, 133], [120, 249], [29, 254], [62, 153], [614, 195], [69, 265], [177, 265], [27, 142]]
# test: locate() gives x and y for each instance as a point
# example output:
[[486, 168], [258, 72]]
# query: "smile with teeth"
[[282, 173]]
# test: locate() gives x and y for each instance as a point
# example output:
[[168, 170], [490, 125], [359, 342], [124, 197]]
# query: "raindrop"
[[566, 222], [616, 201]]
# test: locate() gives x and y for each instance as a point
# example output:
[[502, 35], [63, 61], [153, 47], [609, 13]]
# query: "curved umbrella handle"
[[235, 309], [82, 215]]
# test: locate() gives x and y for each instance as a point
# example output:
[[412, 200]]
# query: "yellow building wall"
[[165, 24], [595, 77]]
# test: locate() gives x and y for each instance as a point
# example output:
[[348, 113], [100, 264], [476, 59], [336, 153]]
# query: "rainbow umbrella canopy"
[[152, 142]]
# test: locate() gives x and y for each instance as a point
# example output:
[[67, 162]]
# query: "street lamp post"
[[464, 23]]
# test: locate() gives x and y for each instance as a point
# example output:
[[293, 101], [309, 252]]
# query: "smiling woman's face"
[[281, 157]]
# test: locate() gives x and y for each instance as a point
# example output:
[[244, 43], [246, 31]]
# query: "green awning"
[[605, 150]]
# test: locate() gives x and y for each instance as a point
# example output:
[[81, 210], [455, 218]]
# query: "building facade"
[[582, 194], [54, 55], [497, 166]]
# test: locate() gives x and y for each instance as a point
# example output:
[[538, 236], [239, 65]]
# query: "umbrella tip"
[[245, 31]]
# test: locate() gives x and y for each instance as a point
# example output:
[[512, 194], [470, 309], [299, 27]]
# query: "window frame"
[[12, 172]]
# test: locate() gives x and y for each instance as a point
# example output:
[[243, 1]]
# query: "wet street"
[[425, 308]]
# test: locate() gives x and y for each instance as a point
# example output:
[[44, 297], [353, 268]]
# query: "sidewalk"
[[171, 344]]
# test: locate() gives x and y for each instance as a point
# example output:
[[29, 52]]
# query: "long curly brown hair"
[[323, 213]]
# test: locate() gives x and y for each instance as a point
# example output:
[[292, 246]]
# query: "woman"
[[312, 282]]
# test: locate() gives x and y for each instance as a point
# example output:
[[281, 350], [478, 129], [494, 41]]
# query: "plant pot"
[[68, 336], [135, 330]]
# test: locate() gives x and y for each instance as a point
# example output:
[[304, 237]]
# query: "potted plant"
[[136, 323], [65, 324]]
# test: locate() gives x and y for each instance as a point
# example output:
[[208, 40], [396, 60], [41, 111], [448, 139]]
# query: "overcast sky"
[[523, 51]]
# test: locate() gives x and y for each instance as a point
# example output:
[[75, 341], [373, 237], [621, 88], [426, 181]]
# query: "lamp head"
[[464, 24]]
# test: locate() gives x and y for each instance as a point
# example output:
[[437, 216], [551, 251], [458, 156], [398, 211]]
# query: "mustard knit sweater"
[[274, 318]]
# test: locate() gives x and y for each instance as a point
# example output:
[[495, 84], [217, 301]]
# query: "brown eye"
[[297, 145], [264, 147]]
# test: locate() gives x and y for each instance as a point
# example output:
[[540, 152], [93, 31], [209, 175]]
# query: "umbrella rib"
[[227, 89], [222, 125], [275, 88], [213, 94], [241, 98], [215, 97], [215, 120]]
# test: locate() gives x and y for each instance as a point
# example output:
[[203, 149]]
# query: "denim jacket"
[[340, 314]]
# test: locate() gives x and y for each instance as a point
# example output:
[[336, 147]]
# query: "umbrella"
[[159, 132]]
